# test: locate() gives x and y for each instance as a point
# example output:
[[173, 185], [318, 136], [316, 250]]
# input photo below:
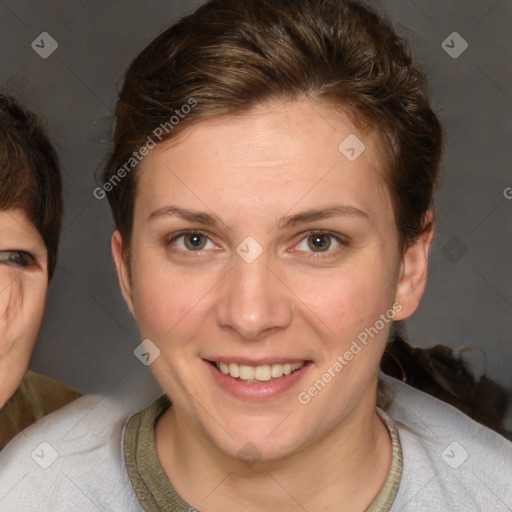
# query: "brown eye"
[[16, 258], [189, 242], [195, 241], [319, 242]]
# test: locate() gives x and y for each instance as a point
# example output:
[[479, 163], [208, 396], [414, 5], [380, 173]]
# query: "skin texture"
[[291, 302], [23, 289]]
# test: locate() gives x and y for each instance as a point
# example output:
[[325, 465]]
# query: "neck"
[[343, 470], [10, 378]]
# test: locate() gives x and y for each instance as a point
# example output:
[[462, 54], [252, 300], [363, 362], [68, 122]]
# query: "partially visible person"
[[30, 221]]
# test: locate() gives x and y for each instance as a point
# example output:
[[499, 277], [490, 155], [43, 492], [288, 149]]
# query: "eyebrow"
[[287, 221], [189, 215], [320, 214]]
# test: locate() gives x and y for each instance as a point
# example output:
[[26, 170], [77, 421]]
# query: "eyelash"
[[343, 241], [27, 260]]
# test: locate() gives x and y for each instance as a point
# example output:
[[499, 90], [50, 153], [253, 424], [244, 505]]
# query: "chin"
[[252, 439]]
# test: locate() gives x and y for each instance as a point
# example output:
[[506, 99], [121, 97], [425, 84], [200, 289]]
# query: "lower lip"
[[257, 390]]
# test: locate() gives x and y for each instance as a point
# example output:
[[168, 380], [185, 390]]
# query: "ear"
[[123, 271], [413, 270]]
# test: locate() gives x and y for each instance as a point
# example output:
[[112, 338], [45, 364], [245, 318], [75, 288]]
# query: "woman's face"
[[261, 245], [23, 288]]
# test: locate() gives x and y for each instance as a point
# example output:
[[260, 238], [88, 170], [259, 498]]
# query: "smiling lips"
[[260, 373]]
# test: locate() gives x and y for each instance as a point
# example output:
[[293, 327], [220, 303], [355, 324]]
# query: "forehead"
[[15, 227], [279, 154]]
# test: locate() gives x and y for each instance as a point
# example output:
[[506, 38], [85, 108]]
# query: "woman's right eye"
[[192, 241], [16, 258]]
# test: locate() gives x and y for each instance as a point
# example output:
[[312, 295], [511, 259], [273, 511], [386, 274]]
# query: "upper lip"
[[256, 362]]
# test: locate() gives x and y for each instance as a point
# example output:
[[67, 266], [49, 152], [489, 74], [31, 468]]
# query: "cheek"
[[165, 300], [11, 301], [349, 299], [22, 305]]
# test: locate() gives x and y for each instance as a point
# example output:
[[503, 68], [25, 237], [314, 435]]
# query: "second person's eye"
[[16, 258]]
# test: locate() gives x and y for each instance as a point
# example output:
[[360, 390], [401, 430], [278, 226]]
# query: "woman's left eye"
[[320, 242], [16, 258]]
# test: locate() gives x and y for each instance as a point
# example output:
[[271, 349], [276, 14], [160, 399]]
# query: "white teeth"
[[277, 371], [234, 370], [246, 372], [261, 373]]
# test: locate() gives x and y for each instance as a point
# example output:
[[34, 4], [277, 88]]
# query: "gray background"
[[88, 337]]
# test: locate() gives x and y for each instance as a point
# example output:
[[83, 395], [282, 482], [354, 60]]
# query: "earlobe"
[[413, 271], [123, 273]]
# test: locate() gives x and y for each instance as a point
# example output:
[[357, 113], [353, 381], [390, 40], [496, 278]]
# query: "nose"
[[253, 301]]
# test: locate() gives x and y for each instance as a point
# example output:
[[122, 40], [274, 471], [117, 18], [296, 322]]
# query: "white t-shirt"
[[72, 460]]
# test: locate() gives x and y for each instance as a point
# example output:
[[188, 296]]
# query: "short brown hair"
[[30, 176], [232, 55]]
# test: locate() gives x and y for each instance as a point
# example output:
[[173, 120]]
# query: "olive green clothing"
[[36, 397], [156, 493]]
